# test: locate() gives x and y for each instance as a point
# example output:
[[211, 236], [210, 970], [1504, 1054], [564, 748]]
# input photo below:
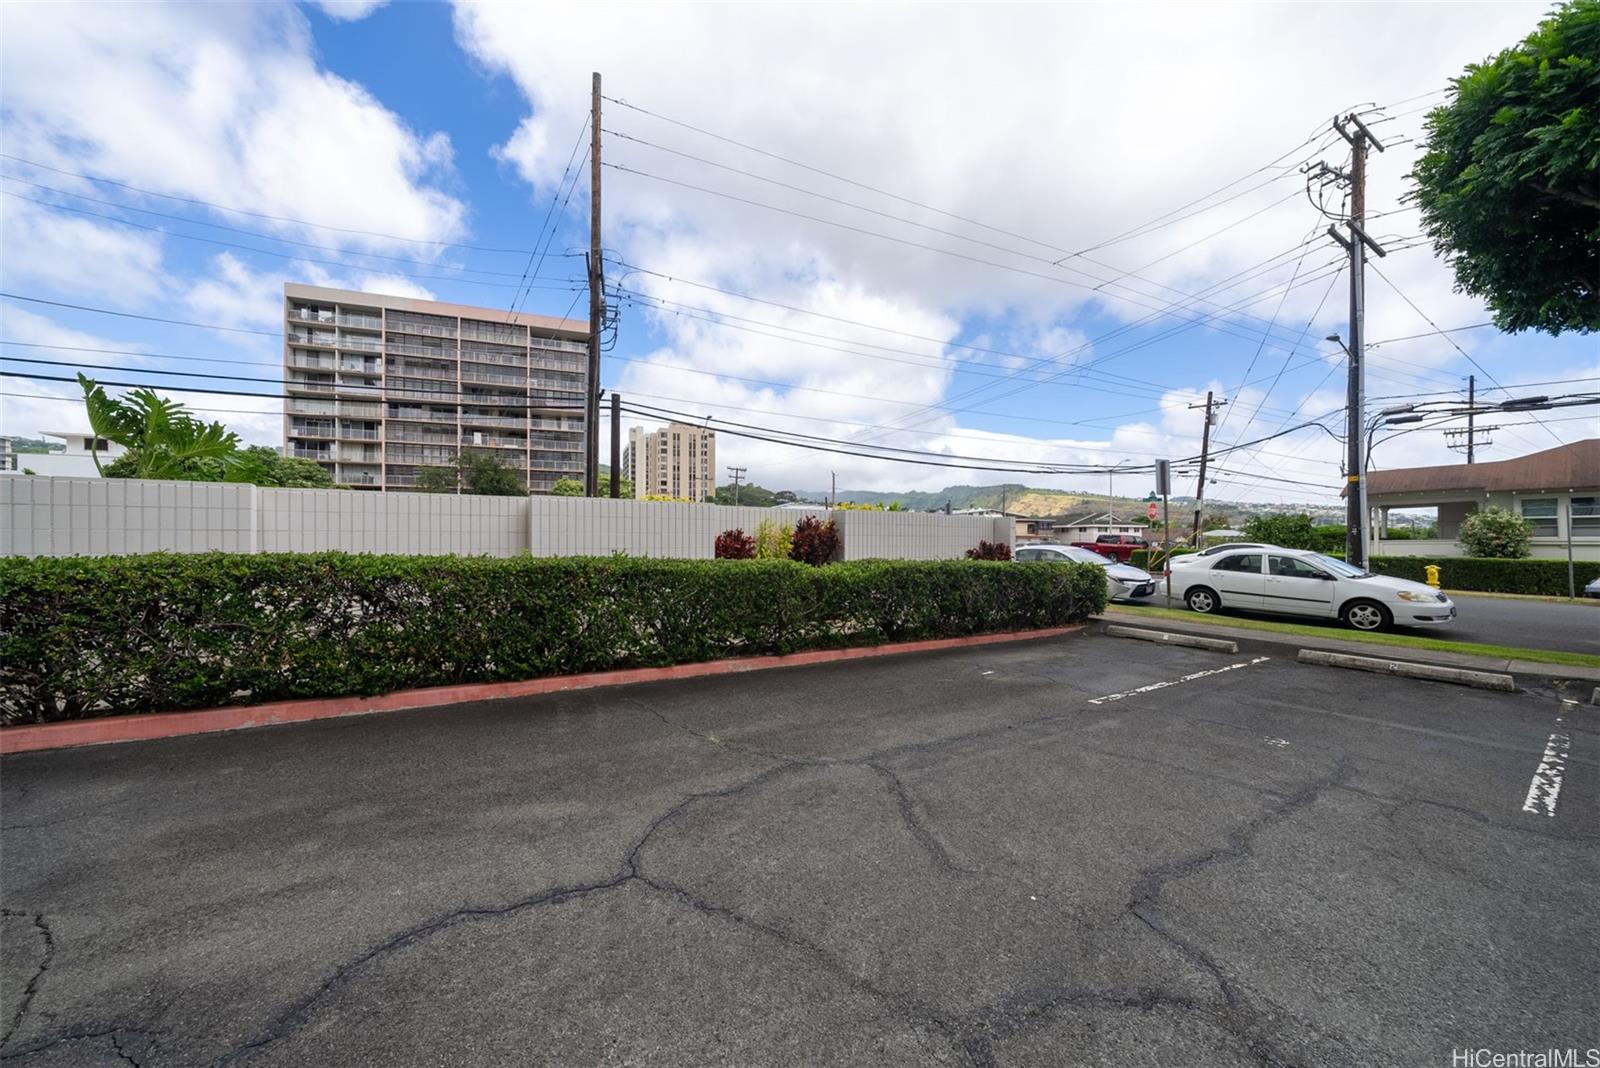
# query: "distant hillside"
[[1018, 499]]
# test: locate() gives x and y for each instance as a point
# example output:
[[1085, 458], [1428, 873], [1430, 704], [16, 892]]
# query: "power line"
[[249, 233], [265, 251], [1413, 304], [486, 403], [146, 318], [547, 240]]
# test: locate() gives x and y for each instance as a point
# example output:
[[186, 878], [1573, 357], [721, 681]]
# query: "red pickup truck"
[[1117, 546]]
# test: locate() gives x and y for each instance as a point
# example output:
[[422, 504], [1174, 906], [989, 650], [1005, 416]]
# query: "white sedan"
[[1123, 581], [1304, 583]]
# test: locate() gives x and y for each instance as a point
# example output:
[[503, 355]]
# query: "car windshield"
[[1085, 556], [1339, 567]]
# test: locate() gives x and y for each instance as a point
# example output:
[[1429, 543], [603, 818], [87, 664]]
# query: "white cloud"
[[75, 257], [223, 103], [349, 10], [1083, 147]]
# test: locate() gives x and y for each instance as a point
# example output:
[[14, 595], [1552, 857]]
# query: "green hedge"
[[1473, 573], [84, 636]]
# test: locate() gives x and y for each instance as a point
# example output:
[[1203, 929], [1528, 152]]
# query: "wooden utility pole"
[[736, 473], [597, 304], [1353, 130], [616, 444], [1205, 455], [1472, 400]]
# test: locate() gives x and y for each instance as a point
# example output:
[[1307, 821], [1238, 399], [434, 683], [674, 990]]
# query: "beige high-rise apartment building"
[[379, 388], [679, 460]]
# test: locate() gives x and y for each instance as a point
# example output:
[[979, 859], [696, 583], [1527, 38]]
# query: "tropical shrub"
[[735, 544], [94, 636], [990, 550], [773, 540], [1497, 533], [1289, 531], [814, 542]]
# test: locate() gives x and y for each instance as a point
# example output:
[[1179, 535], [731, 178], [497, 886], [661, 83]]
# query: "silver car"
[[1124, 582]]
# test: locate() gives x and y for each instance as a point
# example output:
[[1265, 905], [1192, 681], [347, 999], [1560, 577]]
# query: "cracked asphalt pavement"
[[1025, 854]]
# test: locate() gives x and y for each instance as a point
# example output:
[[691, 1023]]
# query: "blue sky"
[[429, 123]]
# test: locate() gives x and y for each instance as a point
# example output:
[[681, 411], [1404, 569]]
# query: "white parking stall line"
[[1546, 785], [1176, 682]]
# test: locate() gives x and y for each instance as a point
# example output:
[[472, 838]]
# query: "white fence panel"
[[44, 516]]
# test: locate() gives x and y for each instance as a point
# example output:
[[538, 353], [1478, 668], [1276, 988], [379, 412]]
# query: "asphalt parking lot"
[[1069, 851]]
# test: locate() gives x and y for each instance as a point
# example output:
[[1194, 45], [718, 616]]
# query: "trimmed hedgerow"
[[1487, 575], [93, 636]]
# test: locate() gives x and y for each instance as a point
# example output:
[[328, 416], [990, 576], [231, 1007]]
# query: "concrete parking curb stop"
[[1483, 680], [1191, 641], [32, 737]]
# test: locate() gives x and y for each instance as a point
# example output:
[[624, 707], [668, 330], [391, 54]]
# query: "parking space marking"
[[1176, 682], [1546, 785]]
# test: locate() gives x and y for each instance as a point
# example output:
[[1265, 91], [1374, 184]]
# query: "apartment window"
[[1586, 517], [1542, 512]]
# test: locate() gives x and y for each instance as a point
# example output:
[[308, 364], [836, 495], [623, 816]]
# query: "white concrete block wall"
[[915, 535], [43, 516], [580, 526]]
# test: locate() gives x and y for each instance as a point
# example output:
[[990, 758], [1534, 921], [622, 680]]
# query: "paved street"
[[1069, 851], [1570, 628]]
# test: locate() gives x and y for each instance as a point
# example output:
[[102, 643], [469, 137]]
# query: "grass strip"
[[1400, 641]]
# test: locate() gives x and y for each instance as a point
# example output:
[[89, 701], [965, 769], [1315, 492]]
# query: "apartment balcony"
[[400, 323], [469, 373], [363, 478], [312, 315], [540, 441], [358, 454], [409, 369], [493, 441], [425, 435], [356, 433], [306, 406], [352, 410], [360, 322], [323, 454], [359, 343], [322, 339], [311, 361], [422, 415], [303, 386], [474, 419], [556, 465], [503, 358], [559, 363], [560, 345], [310, 430]]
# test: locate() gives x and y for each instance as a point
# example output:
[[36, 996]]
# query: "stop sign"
[[1150, 510]]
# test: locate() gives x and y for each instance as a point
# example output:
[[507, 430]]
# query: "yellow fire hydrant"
[[1433, 575]]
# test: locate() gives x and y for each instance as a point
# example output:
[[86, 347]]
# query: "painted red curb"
[[33, 737]]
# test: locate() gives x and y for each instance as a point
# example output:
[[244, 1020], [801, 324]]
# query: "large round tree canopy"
[[1509, 182]]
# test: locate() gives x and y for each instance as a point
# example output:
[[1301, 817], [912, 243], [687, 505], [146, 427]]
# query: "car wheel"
[[1366, 615], [1201, 600]]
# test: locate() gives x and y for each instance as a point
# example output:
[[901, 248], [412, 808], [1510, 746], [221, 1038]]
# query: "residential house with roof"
[[1557, 490]]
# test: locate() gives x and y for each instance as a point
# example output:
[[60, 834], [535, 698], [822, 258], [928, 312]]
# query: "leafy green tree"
[[1289, 531], [573, 487], [161, 438], [476, 472], [1497, 533], [567, 487], [1509, 182]]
